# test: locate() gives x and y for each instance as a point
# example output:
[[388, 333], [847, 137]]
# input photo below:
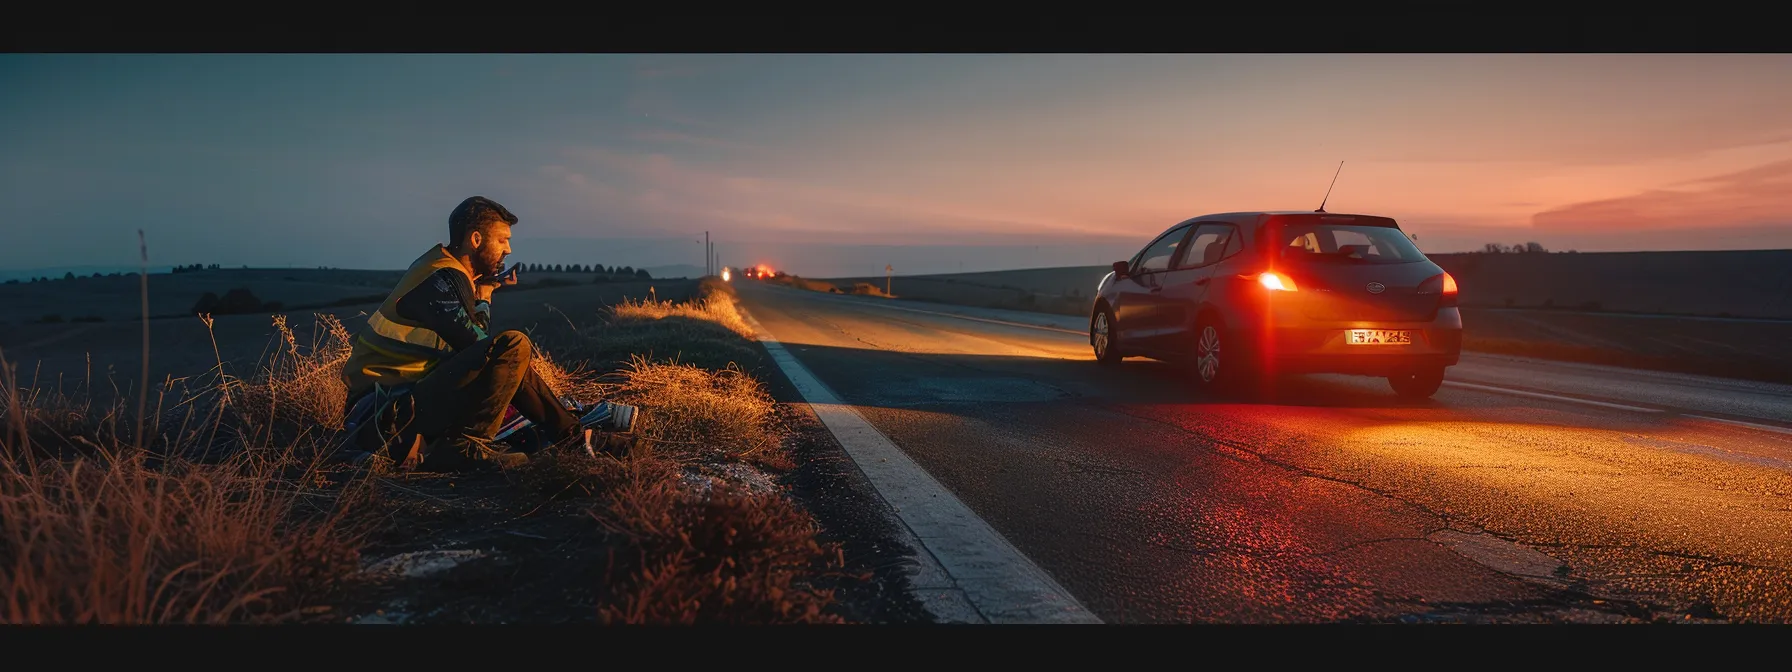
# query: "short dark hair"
[[477, 213]]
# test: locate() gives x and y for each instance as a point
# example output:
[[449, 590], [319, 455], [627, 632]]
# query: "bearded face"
[[490, 246], [488, 259]]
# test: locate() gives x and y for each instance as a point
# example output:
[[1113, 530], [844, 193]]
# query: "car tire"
[[1103, 337], [1218, 364], [1417, 384]]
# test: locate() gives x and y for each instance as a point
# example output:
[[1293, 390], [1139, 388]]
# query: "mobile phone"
[[500, 277]]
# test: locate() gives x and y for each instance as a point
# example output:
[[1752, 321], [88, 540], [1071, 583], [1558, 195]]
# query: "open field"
[[182, 345], [1720, 313], [173, 295], [714, 511]]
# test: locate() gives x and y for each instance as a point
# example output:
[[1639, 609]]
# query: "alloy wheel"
[[1100, 335], [1208, 353]]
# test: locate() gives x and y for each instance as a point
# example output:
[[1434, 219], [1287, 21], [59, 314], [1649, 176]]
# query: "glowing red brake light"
[[1274, 281], [1443, 285]]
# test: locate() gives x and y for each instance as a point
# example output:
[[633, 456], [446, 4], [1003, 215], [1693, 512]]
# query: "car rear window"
[[1344, 244]]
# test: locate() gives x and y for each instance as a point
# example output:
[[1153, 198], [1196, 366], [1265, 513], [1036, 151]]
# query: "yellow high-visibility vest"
[[392, 350]]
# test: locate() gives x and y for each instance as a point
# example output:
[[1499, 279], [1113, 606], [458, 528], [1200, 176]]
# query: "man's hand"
[[484, 285]]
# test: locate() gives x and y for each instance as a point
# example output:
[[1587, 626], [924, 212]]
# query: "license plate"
[[1378, 337]]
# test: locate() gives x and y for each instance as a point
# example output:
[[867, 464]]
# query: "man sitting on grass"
[[429, 341]]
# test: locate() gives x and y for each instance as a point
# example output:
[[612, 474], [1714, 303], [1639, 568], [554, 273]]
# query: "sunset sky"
[[839, 164]]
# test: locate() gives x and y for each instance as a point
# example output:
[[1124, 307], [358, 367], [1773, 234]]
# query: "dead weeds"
[[100, 527]]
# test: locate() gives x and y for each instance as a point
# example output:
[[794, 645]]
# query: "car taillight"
[[1272, 280], [1442, 285]]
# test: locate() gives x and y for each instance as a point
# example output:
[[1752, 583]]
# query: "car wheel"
[[1419, 384], [1102, 337], [1217, 361]]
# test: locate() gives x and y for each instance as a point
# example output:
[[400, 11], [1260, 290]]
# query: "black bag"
[[379, 423]]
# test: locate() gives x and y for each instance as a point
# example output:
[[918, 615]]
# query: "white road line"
[[1551, 397], [1040, 327], [1766, 428], [968, 572]]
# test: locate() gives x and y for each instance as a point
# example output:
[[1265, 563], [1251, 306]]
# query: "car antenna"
[[1328, 188]]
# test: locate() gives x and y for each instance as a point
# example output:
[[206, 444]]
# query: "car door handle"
[[1202, 281], [1155, 290]]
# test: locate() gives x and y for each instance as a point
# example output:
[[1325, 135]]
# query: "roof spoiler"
[[1330, 218]]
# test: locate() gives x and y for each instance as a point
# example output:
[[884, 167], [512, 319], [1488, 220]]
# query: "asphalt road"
[[1525, 491]]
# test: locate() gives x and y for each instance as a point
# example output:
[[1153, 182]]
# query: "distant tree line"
[[71, 276], [602, 272], [616, 272], [1521, 248]]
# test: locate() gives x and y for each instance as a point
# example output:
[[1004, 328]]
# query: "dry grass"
[[715, 305], [707, 333], [223, 514], [725, 414], [868, 289], [99, 527], [806, 283], [300, 388], [687, 555], [116, 541], [727, 556]]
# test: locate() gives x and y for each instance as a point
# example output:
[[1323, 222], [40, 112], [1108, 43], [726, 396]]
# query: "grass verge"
[[702, 531], [222, 510], [98, 526]]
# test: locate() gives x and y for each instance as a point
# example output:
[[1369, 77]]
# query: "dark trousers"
[[460, 404]]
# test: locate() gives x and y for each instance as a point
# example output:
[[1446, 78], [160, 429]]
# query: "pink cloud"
[[1757, 196]]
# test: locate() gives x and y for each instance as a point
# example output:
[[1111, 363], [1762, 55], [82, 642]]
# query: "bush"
[[867, 289], [237, 301]]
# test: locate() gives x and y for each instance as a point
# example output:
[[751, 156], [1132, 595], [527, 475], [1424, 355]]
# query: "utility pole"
[[706, 265], [888, 271]]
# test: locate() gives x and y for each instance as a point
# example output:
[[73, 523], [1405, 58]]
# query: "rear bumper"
[[1327, 350]]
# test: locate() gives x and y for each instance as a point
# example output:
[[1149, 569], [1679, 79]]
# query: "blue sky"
[[837, 164]]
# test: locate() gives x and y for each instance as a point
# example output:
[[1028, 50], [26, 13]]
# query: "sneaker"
[[513, 422], [609, 417]]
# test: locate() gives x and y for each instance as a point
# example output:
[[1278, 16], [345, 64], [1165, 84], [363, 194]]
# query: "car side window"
[[1206, 247], [1234, 245], [1158, 256]]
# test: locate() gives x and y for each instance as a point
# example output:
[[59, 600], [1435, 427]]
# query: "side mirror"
[[1120, 268]]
